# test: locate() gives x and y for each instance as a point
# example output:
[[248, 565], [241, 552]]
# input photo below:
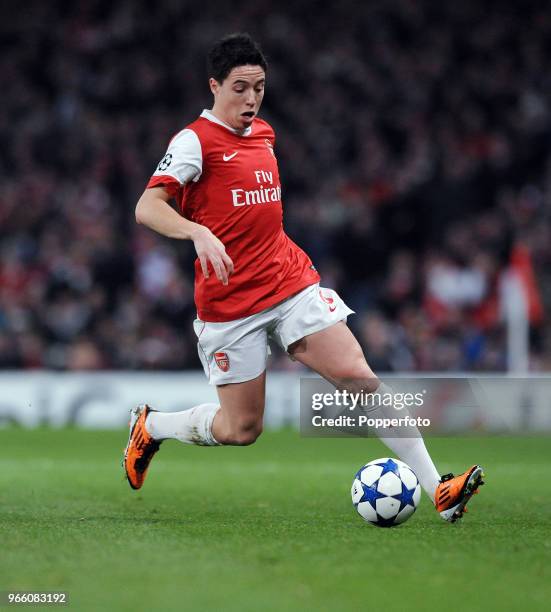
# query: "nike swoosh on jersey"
[[228, 157]]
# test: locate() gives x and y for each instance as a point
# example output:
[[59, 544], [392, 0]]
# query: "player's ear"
[[214, 86]]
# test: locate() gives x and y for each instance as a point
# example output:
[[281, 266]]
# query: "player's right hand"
[[211, 251]]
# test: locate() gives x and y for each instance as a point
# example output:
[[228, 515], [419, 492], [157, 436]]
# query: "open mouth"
[[249, 114]]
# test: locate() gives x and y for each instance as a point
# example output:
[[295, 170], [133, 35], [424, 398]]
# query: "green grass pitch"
[[266, 527]]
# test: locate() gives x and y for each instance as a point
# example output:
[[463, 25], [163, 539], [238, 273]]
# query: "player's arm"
[[154, 211]]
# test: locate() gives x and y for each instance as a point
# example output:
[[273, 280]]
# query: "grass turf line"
[[267, 527]]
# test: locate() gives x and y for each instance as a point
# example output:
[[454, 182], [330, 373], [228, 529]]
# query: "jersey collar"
[[206, 114]]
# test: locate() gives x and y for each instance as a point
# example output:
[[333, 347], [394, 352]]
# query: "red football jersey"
[[236, 193]]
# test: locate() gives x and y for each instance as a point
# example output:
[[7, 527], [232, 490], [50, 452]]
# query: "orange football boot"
[[140, 448], [453, 493]]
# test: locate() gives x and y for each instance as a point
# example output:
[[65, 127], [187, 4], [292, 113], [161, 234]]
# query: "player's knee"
[[246, 438], [356, 375], [242, 432], [245, 434]]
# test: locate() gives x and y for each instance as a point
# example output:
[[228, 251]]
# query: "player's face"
[[238, 98]]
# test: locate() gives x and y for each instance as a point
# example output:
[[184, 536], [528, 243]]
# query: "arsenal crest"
[[222, 361]]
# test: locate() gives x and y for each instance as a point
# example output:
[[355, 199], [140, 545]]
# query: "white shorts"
[[236, 351]]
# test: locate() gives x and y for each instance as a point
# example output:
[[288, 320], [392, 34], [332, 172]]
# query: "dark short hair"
[[231, 51]]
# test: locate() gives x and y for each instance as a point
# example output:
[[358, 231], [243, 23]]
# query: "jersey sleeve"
[[183, 162]]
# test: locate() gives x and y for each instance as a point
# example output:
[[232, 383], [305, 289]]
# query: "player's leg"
[[336, 355], [233, 355], [236, 419], [239, 420], [312, 329]]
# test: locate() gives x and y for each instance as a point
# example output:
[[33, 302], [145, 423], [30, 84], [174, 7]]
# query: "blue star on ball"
[[389, 466], [370, 494], [405, 497]]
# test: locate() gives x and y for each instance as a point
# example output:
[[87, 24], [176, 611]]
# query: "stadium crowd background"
[[413, 140]]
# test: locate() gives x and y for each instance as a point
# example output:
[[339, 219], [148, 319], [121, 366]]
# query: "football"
[[385, 492]]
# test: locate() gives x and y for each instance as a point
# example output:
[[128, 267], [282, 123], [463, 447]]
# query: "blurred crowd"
[[413, 140]]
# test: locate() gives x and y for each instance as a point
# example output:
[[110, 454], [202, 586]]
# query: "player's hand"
[[211, 251]]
